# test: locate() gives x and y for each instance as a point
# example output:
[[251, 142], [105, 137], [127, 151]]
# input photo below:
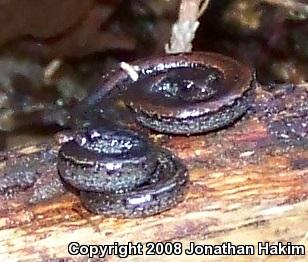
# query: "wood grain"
[[246, 187]]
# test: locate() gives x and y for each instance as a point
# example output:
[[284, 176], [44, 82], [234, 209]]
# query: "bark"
[[247, 185]]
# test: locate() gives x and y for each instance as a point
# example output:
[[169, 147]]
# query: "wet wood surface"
[[246, 187]]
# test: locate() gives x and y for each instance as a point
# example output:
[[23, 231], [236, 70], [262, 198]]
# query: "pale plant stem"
[[183, 31]]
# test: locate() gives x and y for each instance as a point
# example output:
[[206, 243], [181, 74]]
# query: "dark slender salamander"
[[116, 171], [119, 173], [178, 94], [111, 161], [166, 188]]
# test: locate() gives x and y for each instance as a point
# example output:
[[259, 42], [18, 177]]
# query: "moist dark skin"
[[164, 190], [115, 171], [120, 174], [178, 94], [107, 161]]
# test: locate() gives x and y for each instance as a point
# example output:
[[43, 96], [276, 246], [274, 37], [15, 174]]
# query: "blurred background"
[[53, 52]]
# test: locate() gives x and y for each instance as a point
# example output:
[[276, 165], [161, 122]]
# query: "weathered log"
[[249, 184]]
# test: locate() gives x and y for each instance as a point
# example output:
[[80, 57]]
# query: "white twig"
[[132, 71], [203, 7], [183, 31]]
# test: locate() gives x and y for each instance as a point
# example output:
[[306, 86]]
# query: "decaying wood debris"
[[249, 183]]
